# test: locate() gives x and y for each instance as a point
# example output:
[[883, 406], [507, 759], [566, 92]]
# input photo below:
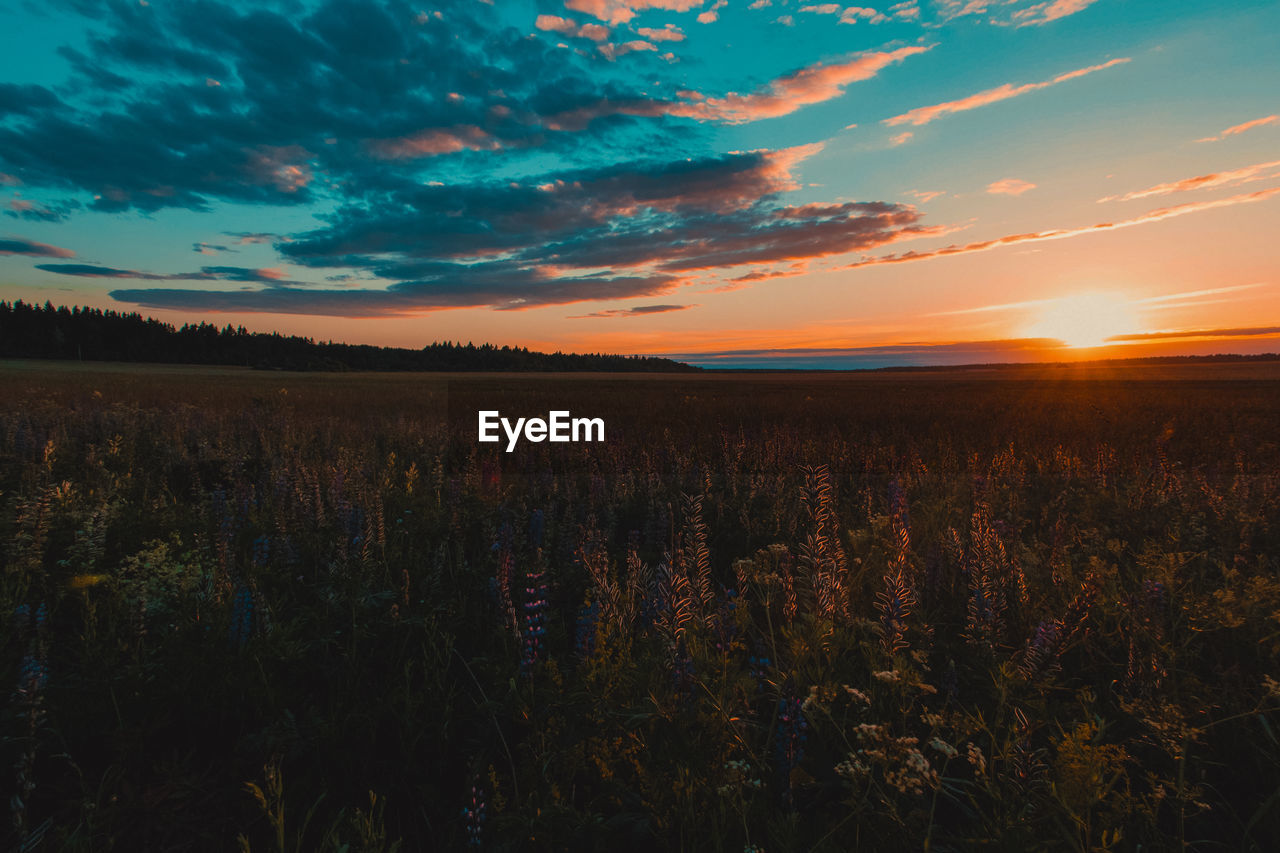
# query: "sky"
[[773, 183]]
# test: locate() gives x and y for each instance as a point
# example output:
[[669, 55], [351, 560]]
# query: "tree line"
[[94, 334]]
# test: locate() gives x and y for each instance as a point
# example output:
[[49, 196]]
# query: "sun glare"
[[1085, 320]]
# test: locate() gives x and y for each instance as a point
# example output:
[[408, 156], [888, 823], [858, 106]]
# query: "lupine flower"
[[534, 628], [473, 814]]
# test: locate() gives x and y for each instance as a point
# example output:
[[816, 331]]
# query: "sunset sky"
[[737, 183]]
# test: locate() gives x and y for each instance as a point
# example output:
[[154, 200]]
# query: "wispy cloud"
[[1173, 300], [637, 311], [1253, 332], [1018, 13], [1241, 128], [621, 11], [1064, 233], [1166, 300], [21, 246], [921, 353], [924, 115], [1010, 186], [1231, 178], [247, 275], [1043, 13], [780, 97]]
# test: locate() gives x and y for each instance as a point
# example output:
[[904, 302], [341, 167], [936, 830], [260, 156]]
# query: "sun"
[[1085, 319]]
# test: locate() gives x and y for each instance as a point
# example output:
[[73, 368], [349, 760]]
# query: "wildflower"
[[534, 629], [473, 813], [945, 748], [975, 757]]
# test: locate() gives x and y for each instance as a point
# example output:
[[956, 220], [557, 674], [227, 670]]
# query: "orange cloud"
[[1009, 186], [1241, 128], [569, 27], [621, 11], [613, 51], [668, 33], [924, 115], [429, 143], [783, 96], [1231, 178], [1043, 13]]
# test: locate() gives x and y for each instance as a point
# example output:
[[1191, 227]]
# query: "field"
[[1004, 610]]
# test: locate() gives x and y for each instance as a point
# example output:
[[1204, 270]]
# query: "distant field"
[[876, 611]]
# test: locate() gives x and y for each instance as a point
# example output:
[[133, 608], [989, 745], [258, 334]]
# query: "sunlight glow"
[[1086, 319]]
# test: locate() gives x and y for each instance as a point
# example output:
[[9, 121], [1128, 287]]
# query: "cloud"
[[637, 311], [1043, 13], [1018, 13], [436, 141], [810, 85], [1241, 128], [1167, 300], [569, 27], [713, 14], [247, 237], [501, 286], [906, 11], [1252, 332], [96, 271], [621, 11], [1010, 186], [624, 231], [21, 246], [870, 357], [613, 51], [668, 33], [926, 196], [1064, 233], [21, 208], [210, 248], [241, 274], [315, 102], [900, 138], [1231, 178], [782, 96], [924, 115], [853, 14]]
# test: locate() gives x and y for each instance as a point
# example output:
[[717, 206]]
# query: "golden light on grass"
[[1085, 320]]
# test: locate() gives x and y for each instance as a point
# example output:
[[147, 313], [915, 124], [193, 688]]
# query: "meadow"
[[966, 610]]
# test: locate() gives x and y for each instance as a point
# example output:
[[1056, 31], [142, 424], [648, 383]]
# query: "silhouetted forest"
[[91, 334]]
